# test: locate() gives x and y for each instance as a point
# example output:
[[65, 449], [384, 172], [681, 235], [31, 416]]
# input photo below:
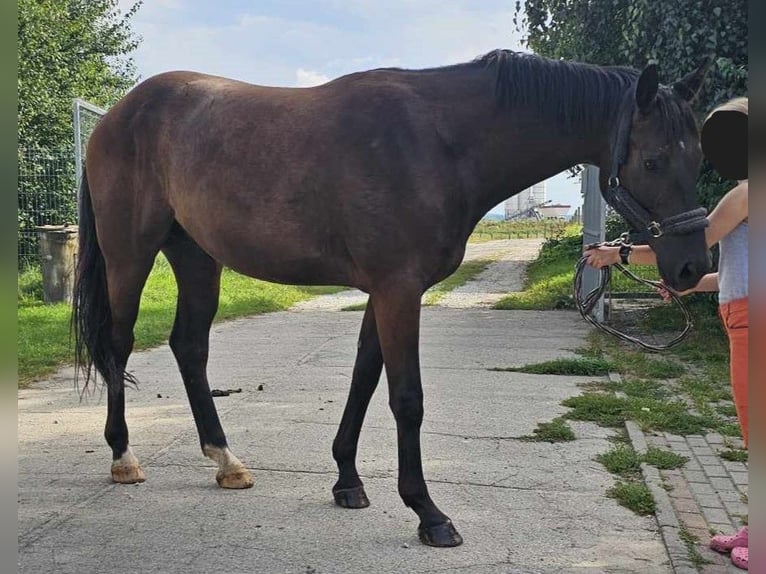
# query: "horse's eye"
[[651, 164]]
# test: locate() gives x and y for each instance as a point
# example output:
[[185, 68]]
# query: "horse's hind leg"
[[198, 277], [125, 280], [349, 490]]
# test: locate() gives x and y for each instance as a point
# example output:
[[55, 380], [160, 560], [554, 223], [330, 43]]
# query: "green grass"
[[549, 279], [555, 431], [640, 388], [633, 362], [520, 229], [43, 330], [664, 459], [622, 460], [581, 366], [726, 410], [650, 414], [634, 496], [548, 283], [734, 454], [355, 307]]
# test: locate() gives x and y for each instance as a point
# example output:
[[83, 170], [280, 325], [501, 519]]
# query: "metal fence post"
[[593, 224], [79, 142]]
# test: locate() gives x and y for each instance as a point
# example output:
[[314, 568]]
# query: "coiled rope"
[[587, 302]]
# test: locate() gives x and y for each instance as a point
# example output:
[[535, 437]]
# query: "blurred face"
[[724, 143]]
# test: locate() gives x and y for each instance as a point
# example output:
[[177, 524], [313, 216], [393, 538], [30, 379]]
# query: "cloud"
[[265, 43], [309, 78]]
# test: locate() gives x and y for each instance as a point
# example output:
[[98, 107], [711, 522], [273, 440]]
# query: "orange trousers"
[[734, 317]]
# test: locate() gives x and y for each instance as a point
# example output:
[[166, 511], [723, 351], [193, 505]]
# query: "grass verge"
[[43, 330], [633, 495], [734, 454], [581, 366], [555, 431]]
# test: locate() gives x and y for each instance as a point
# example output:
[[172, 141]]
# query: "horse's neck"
[[506, 150]]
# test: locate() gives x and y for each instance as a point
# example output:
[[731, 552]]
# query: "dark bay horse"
[[374, 180]]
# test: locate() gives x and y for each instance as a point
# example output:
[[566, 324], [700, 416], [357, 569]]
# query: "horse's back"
[[305, 171]]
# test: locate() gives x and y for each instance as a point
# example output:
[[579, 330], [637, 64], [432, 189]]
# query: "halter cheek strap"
[[620, 199]]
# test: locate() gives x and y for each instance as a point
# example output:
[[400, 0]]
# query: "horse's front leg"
[[397, 310], [349, 490]]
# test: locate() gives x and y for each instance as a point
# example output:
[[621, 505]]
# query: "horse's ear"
[[689, 86], [646, 88]]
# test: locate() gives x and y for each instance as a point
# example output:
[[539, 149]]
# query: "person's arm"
[[730, 212], [707, 284]]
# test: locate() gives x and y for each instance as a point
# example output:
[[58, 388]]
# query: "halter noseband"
[[620, 199]]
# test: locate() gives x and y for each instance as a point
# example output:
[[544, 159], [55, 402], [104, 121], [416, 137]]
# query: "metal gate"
[[48, 181]]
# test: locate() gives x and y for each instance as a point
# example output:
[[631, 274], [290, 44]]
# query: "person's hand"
[[602, 256], [665, 291]]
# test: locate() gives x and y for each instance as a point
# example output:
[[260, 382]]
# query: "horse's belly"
[[283, 260]]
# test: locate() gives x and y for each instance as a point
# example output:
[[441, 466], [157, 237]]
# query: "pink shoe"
[[739, 557], [721, 543]]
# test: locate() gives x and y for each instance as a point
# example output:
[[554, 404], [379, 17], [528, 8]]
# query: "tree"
[[678, 35], [69, 49], [66, 49]]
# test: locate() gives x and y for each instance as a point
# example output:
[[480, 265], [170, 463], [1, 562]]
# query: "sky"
[[303, 43]]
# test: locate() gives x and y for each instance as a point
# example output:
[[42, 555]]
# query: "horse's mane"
[[580, 95]]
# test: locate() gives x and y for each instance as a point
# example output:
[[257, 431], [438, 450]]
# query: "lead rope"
[[587, 303]]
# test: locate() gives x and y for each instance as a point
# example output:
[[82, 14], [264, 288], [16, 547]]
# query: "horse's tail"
[[91, 314]]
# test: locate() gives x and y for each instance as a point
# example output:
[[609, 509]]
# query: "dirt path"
[[505, 275]]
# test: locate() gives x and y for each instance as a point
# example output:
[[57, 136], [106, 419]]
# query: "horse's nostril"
[[687, 271]]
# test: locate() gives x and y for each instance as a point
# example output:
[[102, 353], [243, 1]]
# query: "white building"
[[554, 210], [525, 201]]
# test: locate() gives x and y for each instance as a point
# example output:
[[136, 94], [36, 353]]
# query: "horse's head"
[[650, 174]]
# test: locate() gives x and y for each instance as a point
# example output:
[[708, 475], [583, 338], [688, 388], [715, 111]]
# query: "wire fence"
[[47, 195], [48, 182]]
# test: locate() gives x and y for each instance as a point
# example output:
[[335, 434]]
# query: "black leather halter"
[[617, 196]]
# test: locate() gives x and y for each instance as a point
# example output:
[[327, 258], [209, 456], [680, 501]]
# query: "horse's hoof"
[[354, 497], [440, 535], [234, 478], [127, 474]]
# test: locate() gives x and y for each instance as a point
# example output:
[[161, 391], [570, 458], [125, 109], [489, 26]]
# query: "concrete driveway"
[[523, 507]]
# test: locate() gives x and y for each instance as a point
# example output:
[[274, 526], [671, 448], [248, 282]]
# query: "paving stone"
[[695, 476], [715, 470], [735, 508], [688, 505], [693, 520], [730, 496], [709, 460], [722, 484], [714, 438], [720, 528], [716, 515], [706, 501], [695, 439], [740, 478], [701, 488], [656, 441]]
